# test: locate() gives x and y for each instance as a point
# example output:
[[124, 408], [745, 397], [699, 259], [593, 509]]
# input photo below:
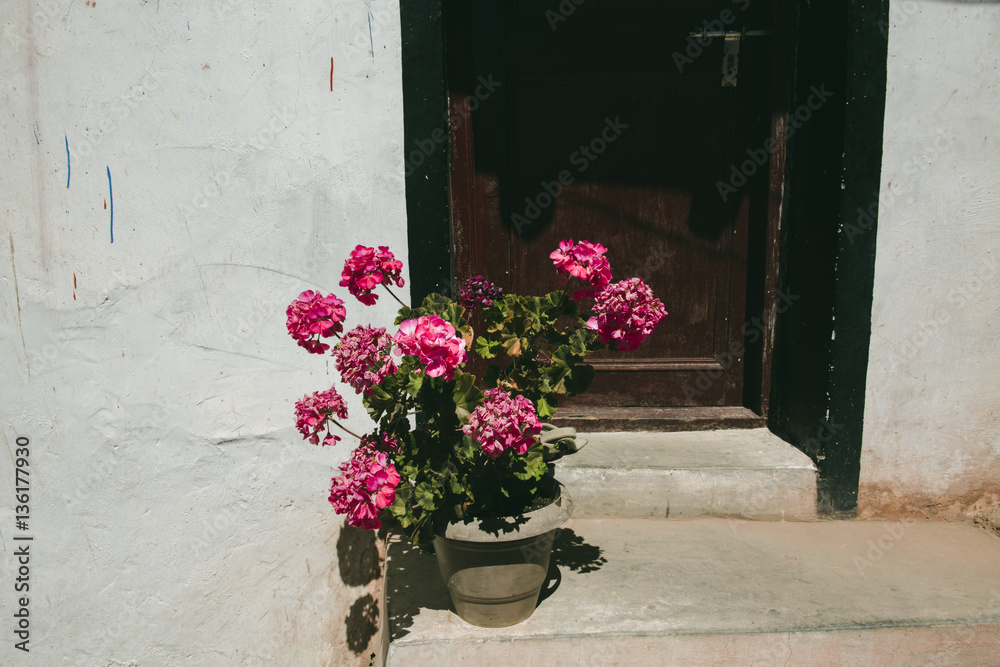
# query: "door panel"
[[595, 135]]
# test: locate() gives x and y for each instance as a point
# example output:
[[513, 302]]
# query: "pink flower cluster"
[[435, 342], [362, 358], [314, 413], [627, 312], [366, 487], [366, 269], [585, 261], [479, 290], [503, 422], [312, 316]]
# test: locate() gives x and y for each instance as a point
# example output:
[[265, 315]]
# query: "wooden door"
[[611, 123]]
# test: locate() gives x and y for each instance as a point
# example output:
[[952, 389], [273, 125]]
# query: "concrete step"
[[739, 473], [715, 591]]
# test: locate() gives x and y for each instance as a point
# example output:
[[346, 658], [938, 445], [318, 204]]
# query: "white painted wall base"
[[932, 412], [177, 516]]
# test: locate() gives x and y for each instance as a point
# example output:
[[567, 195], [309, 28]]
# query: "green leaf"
[[434, 302], [514, 346], [534, 466], [424, 495], [377, 402], [404, 313], [485, 348], [545, 411], [468, 448], [583, 376], [414, 384], [467, 395]]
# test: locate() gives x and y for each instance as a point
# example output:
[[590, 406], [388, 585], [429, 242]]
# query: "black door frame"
[[827, 264]]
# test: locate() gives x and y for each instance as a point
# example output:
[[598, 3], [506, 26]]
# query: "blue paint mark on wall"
[[67, 161], [371, 40], [111, 199]]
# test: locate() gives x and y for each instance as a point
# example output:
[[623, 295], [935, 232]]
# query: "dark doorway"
[[813, 300], [651, 131]]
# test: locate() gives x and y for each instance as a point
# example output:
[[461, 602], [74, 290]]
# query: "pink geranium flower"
[[366, 487], [433, 341], [626, 313], [367, 268], [362, 358], [315, 413], [585, 261], [313, 316], [503, 421]]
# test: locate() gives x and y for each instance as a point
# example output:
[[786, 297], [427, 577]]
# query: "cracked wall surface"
[[931, 445], [174, 174]]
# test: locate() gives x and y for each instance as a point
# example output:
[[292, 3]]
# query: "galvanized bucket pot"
[[495, 568]]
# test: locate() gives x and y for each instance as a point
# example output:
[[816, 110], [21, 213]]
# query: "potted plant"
[[458, 459]]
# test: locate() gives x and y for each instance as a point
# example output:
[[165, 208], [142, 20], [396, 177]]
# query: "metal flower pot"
[[495, 568]]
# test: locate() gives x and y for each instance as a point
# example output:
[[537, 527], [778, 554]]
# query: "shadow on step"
[[414, 583], [570, 551]]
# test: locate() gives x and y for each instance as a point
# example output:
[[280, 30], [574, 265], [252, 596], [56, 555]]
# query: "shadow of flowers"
[[570, 551], [413, 583], [497, 525], [357, 556], [359, 563], [362, 624]]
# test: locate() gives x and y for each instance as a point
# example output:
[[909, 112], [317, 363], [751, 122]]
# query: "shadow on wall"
[[360, 564]]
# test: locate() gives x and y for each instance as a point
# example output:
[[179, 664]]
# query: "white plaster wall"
[[177, 516], [931, 440]]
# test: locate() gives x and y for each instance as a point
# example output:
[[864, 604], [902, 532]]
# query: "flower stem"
[[394, 296], [345, 429]]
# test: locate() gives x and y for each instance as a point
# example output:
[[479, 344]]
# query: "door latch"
[[730, 50], [730, 59]]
